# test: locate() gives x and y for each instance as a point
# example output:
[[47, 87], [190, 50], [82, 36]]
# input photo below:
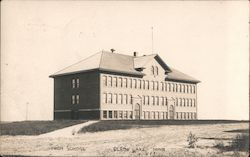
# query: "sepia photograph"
[[124, 78]]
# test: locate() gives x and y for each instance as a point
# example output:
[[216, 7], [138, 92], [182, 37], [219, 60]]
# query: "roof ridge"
[[77, 62]]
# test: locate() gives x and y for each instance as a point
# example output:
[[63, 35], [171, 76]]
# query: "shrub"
[[241, 142], [192, 139]]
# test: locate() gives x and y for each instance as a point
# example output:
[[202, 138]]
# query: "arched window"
[[156, 70], [152, 70]]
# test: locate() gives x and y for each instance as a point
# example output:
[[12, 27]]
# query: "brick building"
[[114, 86]]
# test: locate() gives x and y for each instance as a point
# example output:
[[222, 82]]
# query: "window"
[[125, 114], [153, 115], [77, 83], [130, 114], [77, 99], [110, 114], [153, 100], [73, 99], [180, 102], [125, 99], [166, 114], [130, 83], [157, 85], [152, 70], [105, 98], [184, 102], [195, 116], [176, 100], [109, 98], [125, 82], [115, 114], [104, 80], [152, 85], [194, 102], [169, 87], [147, 84], [156, 115], [180, 115], [184, 115], [162, 86], [184, 89], [156, 70], [119, 82], [120, 114], [144, 115], [73, 83], [143, 84], [131, 99], [115, 82], [191, 102], [139, 84], [191, 88], [173, 87], [166, 87], [187, 89], [157, 100], [166, 101], [146, 100], [177, 115], [180, 90], [143, 100], [194, 89], [115, 99], [120, 99], [187, 102], [104, 114], [109, 81], [134, 83]]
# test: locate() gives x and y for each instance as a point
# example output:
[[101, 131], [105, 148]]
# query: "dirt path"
[[68, 131]]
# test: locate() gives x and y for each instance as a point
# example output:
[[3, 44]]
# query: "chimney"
[[112, 50], [135, 54]]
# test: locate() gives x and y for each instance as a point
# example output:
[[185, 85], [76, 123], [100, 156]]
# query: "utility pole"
[[26, 114]]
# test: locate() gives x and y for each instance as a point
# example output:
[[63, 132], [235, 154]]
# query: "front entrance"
[[137, 111], [171, 112], [74, 114]]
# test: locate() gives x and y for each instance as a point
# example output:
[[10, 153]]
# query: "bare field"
[[166, 140]]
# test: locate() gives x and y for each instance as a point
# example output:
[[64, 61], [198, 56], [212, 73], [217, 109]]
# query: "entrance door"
[[171, 112], [137, 111], [74, 114]]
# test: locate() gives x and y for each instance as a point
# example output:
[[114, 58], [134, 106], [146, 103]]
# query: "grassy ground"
[[214, 140], [128, 124], [35, 127]]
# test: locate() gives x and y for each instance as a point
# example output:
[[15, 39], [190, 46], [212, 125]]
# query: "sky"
[[208, 40]]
